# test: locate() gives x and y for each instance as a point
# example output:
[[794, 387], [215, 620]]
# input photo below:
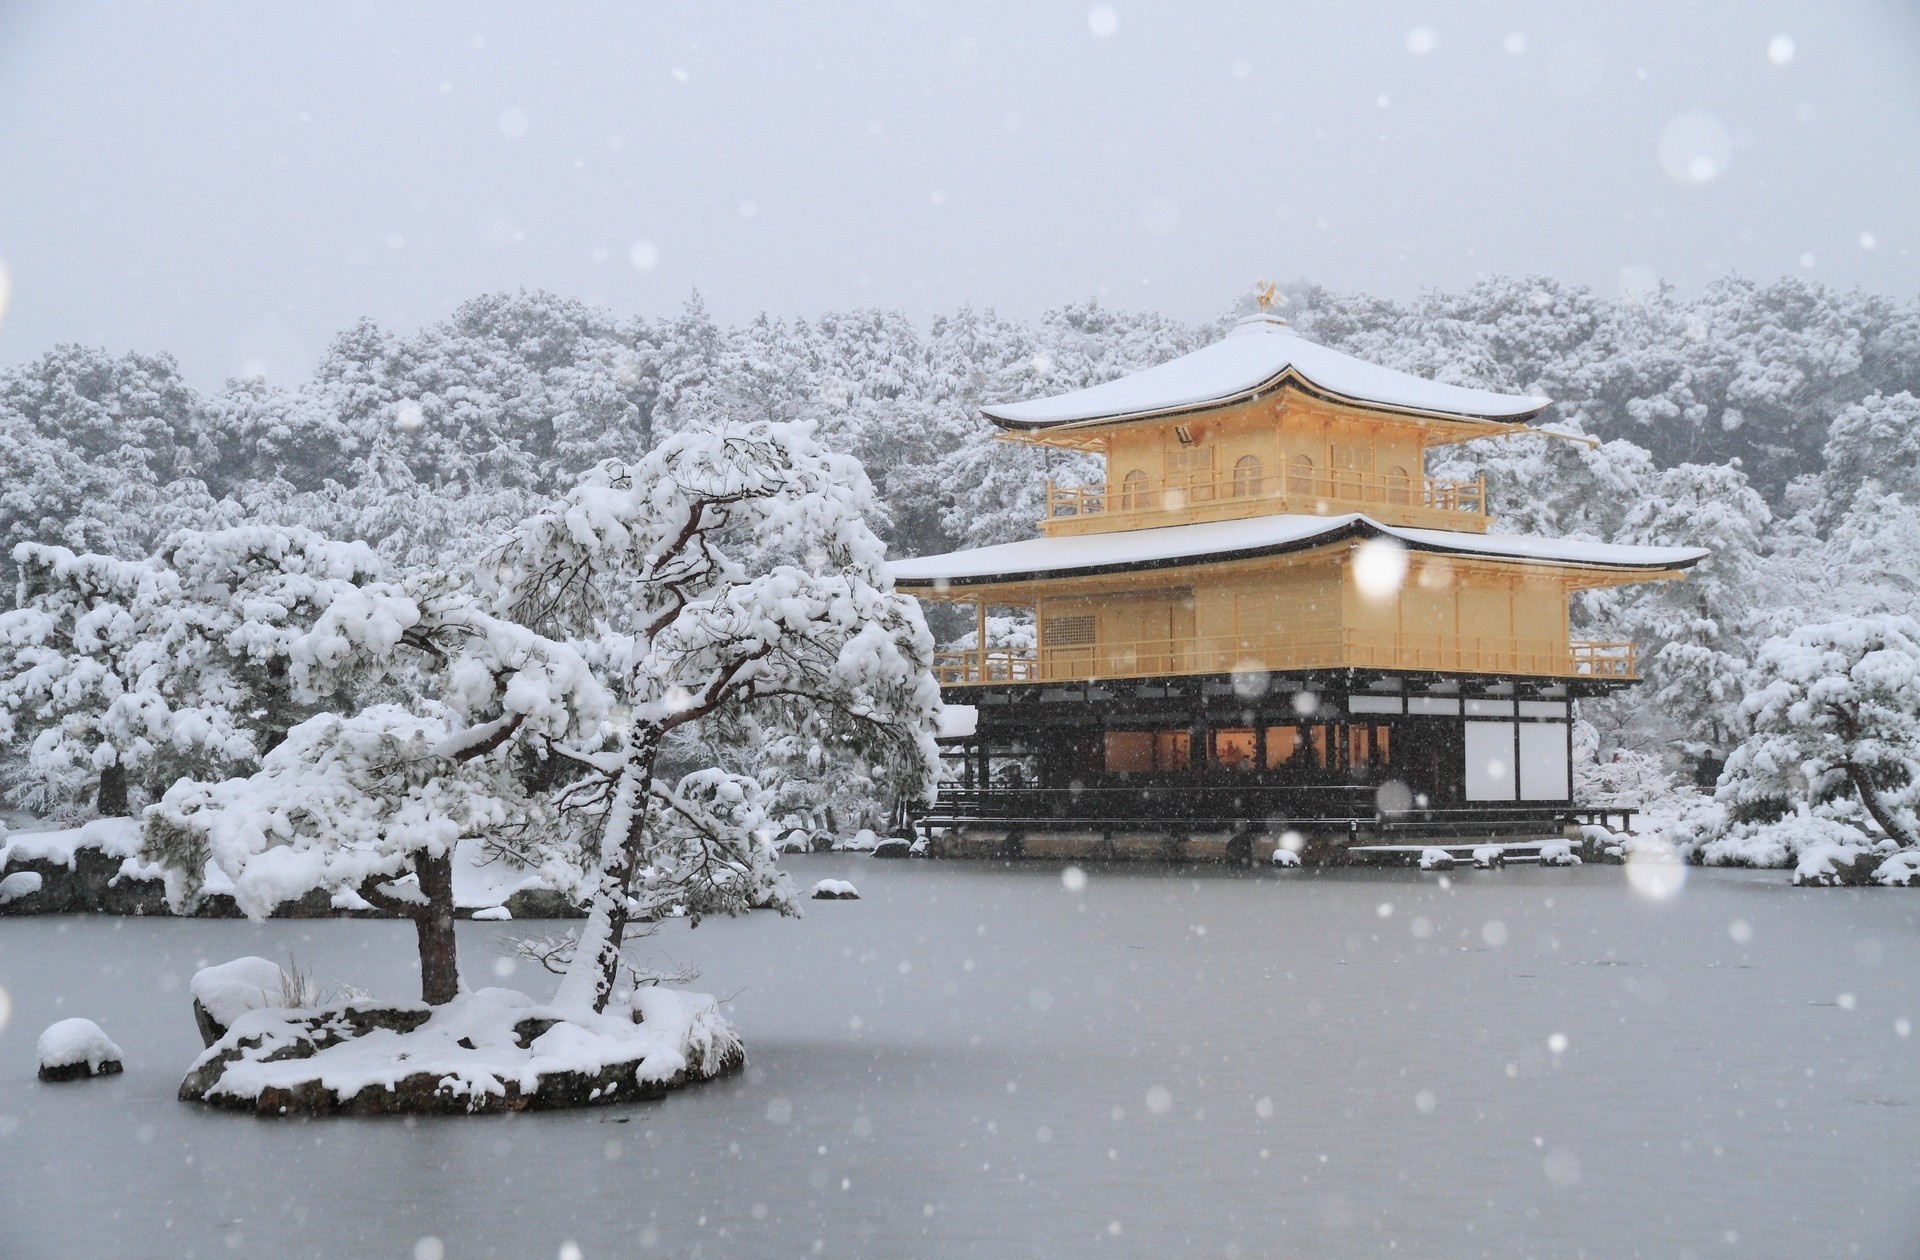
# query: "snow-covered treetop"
[[1261, 354]]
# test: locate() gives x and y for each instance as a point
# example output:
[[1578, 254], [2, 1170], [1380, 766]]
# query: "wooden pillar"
[[980, 637]]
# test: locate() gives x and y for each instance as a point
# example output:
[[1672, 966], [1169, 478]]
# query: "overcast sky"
[[236, 183]]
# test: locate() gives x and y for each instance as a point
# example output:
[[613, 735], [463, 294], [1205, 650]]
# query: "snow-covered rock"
[[75, 1049], [486, 1051], [1829, 865], [1488, 856], [1558, 853], [861, 841], [834, 890], [893, 847], [1283, 856], [1901, 870], [493, 914], [223, 993], [1435, 860], [19, 884]]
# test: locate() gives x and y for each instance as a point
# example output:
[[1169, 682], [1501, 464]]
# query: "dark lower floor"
[[1354, 751]]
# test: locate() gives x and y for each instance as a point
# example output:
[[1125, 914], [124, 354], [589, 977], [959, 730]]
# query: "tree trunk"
[[596, 960], [439, 957], [1870, 797], [111, 800]]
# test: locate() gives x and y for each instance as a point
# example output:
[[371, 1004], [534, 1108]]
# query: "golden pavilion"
[[1267, 625]]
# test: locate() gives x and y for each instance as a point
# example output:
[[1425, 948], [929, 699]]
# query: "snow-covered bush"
[[1834, 750]]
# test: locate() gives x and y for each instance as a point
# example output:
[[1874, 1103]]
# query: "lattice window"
[[1075, 630], [1189, 461]]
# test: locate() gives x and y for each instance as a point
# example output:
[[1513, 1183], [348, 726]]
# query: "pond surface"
[[976, 1060]]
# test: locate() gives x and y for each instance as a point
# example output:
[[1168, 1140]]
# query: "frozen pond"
[[975, 1060]]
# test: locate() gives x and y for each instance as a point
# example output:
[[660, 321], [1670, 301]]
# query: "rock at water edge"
[[75, 1049]]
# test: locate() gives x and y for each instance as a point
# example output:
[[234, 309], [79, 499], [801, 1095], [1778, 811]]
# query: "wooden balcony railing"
[[1362, 649], [1223, 495]]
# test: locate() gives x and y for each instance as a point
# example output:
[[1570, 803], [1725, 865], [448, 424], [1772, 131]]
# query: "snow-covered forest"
[[1776, 424]]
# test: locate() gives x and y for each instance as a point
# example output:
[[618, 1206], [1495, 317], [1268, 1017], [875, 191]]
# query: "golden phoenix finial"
[[1264, 292]]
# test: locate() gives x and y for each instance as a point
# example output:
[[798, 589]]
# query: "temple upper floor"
[[1264, 422]]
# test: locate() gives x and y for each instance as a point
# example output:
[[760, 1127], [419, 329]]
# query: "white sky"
[[236, 183]]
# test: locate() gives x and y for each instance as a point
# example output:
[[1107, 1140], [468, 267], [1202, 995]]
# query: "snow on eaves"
[[1255, 357], [1264, 535]]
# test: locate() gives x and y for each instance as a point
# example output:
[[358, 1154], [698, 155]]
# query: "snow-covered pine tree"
[[372, 800], [117, 674], [729, 578], [1834, 746]]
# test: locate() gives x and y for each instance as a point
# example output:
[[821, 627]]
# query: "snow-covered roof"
[[1260, 354], [1262, 535]]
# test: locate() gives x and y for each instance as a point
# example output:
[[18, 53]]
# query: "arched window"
[[1399, 486], [1246, 477], [1133, 492], [1300, 475]]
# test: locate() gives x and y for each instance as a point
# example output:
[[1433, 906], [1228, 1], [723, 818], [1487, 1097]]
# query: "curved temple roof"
[[1173, 545], [1259, 355]]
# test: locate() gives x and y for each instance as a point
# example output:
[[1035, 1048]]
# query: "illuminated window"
[[1283, 746], [1369, 746], [1318, 746], [1233, 750], [1300, 475], [1130, 752]]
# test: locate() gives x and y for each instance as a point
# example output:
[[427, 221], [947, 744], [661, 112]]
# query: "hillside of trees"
[[1775, 423]]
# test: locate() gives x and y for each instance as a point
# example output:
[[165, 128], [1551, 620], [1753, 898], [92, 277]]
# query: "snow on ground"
[[473, 1046], [72, 1042]]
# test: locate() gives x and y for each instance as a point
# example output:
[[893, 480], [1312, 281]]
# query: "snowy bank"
[[96, 868], [489, 1051]]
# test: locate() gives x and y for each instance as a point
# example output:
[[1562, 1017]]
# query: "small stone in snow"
[[493, 914], [75, 1049], [834, 890]]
